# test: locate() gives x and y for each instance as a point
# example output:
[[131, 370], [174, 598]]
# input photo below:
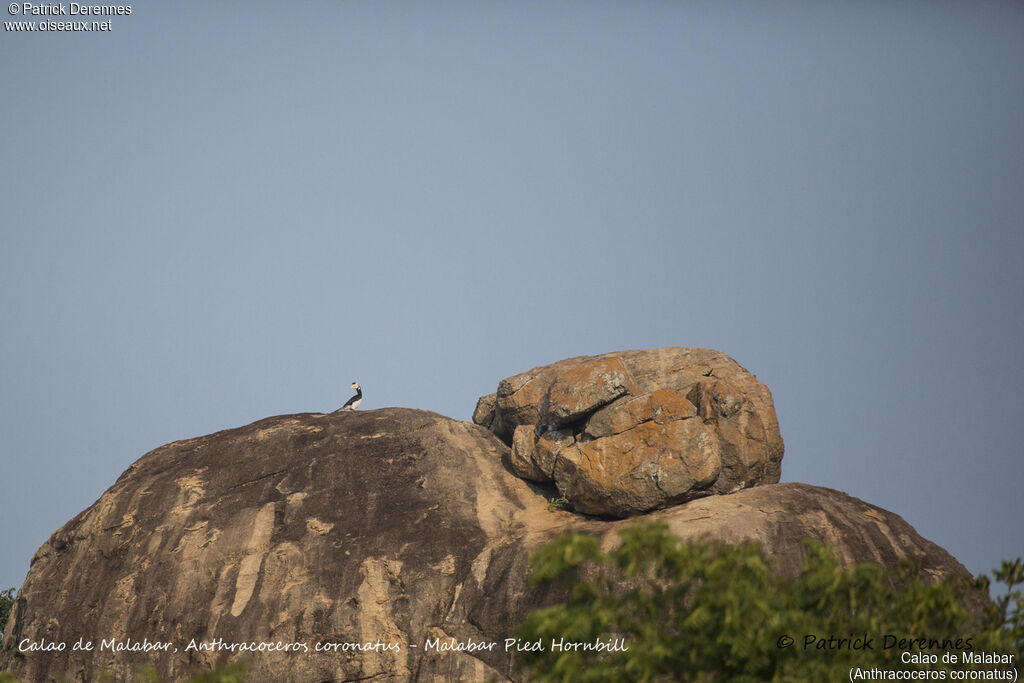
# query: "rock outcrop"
[[392, 526], [625, 433]]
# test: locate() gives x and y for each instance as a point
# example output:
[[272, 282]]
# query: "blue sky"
[[217, 212]]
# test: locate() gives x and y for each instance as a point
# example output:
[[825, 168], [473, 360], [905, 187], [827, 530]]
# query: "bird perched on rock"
[[353, 402]]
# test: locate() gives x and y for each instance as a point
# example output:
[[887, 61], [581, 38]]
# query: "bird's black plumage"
[[353, 402]]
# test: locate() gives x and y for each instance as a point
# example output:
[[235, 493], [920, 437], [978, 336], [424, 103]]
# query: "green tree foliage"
[[697, 612]]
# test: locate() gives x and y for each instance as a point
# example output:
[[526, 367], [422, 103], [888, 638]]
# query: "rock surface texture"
[[395, 526], [628, 432]]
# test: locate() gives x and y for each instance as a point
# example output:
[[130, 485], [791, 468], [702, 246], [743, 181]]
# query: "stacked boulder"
[[624, 433]]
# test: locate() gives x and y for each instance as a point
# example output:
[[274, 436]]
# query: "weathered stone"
[[391, 524], [581, 389], [483, 414], [524, 442], [647, 467], [660, 406], [549, 448], [607, 397], [517, 402], [715, 399], [395, 525]]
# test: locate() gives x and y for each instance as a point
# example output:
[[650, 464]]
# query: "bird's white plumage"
[[355, 401]]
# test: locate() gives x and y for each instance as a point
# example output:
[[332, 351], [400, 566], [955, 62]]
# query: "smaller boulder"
[[522, 457], [624, 433], [483, 414]]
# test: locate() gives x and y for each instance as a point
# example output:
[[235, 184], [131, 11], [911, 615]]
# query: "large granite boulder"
[[389, 526], [632, 431], [394, 526]]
